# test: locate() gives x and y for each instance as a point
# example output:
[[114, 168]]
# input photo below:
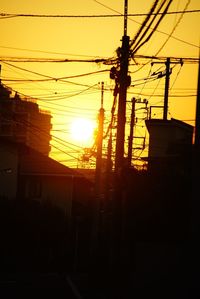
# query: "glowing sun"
[[82, 130]]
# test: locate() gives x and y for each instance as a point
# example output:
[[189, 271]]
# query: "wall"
[[8, 170], [57, 190]]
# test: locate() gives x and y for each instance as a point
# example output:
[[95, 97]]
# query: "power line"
[[54, 78], [144, 24], [48, 52], [55, 60], [140, 43], [174, 28], [107, 61], [36, 131], [161, 95], [64, 112], [10, 15], [65, 97], [173, 37], [172, 58]]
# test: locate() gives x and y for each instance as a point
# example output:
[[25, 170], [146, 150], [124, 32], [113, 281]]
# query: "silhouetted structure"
[[30, 175], [22, 120], [170, 145]]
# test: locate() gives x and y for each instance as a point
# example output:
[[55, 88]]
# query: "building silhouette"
[[22, 121], [170, 146]]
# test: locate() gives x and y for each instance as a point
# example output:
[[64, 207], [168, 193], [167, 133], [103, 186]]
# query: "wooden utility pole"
[[167, 77], [197, 119], [195, 223], [166, 88], [130, 140], [123, 84], [95, 242], [99, 145], [108, 168]]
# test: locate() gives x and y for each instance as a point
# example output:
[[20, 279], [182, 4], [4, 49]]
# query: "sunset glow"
[[100, 148], [82, 130], [57, 53]]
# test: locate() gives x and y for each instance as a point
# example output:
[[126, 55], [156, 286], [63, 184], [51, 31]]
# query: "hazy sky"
[[90, 37]]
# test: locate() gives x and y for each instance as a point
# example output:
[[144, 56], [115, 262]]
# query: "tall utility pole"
[[95, 242], [99, 145], [197, 120], [166, 88], [123, 84], [167, 76], [108, 167], [130, 140], [196, 165]]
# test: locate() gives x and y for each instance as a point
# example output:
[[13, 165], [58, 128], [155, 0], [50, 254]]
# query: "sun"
[[82, 130]]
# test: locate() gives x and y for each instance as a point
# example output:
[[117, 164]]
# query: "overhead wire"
[[161, 95], [178, 73], [54, 138], [57, 139], [5, 15], [108, 61], [16, 71], [168, 35], [65, 113], [65, 97], [172, 58], [173, 37], [48, 52], [138, 46], [143, 25], [55, 60], [174, 28], [147, 77], [36, 131], [57, 78]]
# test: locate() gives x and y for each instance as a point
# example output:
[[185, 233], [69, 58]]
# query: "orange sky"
[[82, 38]]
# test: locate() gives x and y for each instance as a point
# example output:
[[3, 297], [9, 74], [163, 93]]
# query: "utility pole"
[[123, 84], [166, 88], [95, 237], [130, 140], [108, 168], [99, 145], [123, 81], [167, 76], [197, 119], [195, 166]]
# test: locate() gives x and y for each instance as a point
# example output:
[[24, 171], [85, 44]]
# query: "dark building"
[[21, 120], [170, 145]]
